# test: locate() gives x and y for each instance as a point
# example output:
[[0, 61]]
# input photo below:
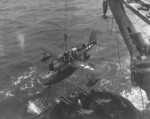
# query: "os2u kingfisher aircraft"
[[72, 59]]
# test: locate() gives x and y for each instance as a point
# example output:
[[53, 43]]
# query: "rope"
[[66, 15], [112, 24], [66, 24], [109, 31], [97, 15], [96, 19], [107, 27], [119, 57]]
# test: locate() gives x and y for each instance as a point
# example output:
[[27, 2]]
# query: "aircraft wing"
[[82, 65]]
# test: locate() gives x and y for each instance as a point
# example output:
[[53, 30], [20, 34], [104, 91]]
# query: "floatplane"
[[74, 58]]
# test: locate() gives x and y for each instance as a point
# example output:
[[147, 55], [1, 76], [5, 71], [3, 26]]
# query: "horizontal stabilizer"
[[82, 65]]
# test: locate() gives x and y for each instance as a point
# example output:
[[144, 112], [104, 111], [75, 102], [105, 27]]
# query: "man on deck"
[[105, 7]]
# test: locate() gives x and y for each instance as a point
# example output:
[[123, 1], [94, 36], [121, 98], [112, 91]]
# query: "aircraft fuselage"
[[58, 65]]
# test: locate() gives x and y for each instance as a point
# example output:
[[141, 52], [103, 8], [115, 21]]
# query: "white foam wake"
[[21, 40], [138, 98]]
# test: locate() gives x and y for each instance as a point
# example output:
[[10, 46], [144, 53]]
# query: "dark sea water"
[[28, 26]]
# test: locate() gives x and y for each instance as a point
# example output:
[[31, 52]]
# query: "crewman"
[[105, 7], [73, 53], [66, 56], [51, 66]]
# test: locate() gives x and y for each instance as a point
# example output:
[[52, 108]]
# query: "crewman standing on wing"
[[105, 7]]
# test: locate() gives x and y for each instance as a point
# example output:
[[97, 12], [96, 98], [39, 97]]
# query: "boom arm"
[[136, 45]]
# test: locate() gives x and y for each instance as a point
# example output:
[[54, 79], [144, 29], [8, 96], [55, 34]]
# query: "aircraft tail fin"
[[92, 39]]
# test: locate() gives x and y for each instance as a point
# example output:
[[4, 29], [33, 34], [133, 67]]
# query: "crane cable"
[[110, 30], [66, 24], [119, 57], [112, 25], [117, 39]]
